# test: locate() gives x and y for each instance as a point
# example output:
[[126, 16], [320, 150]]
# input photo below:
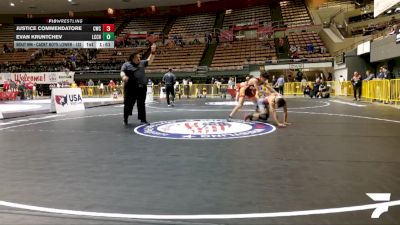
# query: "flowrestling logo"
[[71, 99], [204, 129]]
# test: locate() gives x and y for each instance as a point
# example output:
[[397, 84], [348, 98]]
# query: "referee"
[[169, 81], [135, 87]]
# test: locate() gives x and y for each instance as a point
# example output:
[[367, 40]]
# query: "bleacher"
[[302, 39], [294, 13], [117, 55], [260, 14], [242, 52], [336, 3], [17, 57], [191, 25], [185, 58], [142, 24], [6, 34]]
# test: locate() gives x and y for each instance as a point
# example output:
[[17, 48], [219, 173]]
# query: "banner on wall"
[[66, 100], [39, 78]]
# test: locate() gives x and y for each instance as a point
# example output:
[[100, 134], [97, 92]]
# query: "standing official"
[[135, 88], [169, 81]]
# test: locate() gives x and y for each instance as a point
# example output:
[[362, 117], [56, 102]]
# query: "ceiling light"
[[69, 0], [12, 4], [110, 11]]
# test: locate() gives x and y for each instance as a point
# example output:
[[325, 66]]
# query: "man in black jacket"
[[135, 84]]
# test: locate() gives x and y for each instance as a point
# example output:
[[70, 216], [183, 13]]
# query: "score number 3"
[[108, 28]]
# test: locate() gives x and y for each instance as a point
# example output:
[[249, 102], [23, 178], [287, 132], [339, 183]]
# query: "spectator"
[[21, 90], [185, 87], [273, 83], [90, 85], [387, 73], [6, 85], [356, 81], [177, 89], [29, 88], [231, 83], [381, 74], [280, 84], [315, 91], [307, 91], [299, 76], [369, 75], [330, 77], [323, 91], [310, 48]]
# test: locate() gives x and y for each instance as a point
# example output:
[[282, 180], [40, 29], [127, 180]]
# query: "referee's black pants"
[[170, 91], [141, 102], [135, 94]]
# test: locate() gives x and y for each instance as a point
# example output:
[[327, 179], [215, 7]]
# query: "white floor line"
[[347, 103], [347, 115], [205, 216], [176, 108], [30, 119], [68, 118]]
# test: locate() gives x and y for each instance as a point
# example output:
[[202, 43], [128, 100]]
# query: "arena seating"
[[57, 58], [117, 55], [260, 14], [242, 52], [295, 13], [6, 34], [302, 39], [191, 25], [141, 24], [336, 3], [16, 57], [185, 58]]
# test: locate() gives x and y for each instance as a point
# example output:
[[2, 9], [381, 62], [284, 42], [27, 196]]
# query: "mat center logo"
[[204, 129]]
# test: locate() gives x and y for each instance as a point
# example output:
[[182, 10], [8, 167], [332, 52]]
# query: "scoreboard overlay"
[[64, 33]]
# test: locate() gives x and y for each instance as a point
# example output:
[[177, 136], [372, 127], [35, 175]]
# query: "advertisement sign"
[[66, 100], [39, 78]]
